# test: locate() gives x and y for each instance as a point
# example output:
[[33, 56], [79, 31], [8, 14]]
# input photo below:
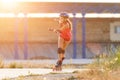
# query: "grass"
[[1, 62], [98, 75], [15, 65], [104, 68], [72, 78], [6, 79]]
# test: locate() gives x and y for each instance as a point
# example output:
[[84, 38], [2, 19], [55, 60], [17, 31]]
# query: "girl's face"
[[61, 19]]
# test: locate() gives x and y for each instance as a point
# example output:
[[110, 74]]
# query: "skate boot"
[[58, 66]]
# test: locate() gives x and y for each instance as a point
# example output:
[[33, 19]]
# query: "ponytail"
[[70, 24]]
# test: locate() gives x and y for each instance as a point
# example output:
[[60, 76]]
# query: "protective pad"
[[61, 51]]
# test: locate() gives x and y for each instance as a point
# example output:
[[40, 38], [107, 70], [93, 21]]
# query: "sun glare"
[[9, 3]]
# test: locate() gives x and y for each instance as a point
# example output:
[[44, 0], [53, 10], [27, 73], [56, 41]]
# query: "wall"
[[97, 33], [97, 30]]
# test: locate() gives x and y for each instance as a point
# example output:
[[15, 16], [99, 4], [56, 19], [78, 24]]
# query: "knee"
[[61, 51], [63, 58]]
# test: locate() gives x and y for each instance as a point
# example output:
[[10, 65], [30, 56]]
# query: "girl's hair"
[[70, 24]]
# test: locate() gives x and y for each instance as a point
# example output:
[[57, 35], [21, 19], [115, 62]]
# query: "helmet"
[[64, 14]]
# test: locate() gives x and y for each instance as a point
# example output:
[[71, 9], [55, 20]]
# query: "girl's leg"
[[66, 43], [60, 48], [63, 45], [60, 54]]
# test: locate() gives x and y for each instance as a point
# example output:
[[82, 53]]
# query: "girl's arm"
[[54, 30], [60, 28]]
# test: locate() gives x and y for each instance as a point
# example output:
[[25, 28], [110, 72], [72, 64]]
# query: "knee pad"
[[63, 58], [60, 50]]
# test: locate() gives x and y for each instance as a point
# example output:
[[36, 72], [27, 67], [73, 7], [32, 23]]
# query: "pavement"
[[11, 73]]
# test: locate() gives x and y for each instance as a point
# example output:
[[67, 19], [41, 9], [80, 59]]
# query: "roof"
[[56, 7]]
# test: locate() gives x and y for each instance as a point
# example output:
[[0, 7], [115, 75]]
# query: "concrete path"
[[12, 73]]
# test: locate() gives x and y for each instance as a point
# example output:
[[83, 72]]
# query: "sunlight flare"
[[9, 3]]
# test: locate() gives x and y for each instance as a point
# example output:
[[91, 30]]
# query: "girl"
[[64, 38]]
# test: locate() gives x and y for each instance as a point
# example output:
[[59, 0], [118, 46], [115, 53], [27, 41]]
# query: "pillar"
[[25, 37], [83, 36], [74, 25], [16, 56]]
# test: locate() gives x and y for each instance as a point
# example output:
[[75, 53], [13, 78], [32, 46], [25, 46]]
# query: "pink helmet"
[[64, 14]]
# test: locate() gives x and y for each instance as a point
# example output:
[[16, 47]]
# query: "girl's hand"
[[54, 30]]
